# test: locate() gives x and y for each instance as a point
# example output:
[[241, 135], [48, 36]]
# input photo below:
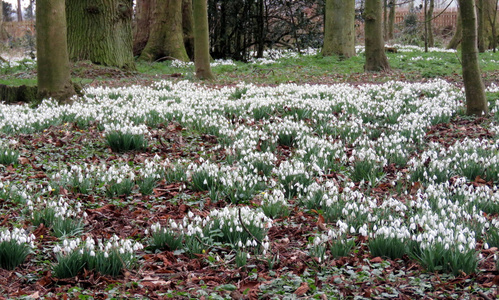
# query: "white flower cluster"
[[17, 235], [126, 129], [62, 207], [90, 246]]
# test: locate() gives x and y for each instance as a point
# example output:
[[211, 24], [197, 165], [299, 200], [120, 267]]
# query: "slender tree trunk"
[[426, 20], [476, 103], [19, 11], [142, 24], [458, 34], [385, 20], [482, 44], [492, 16], [101, 31], [375, 49], [339, 28], [52, 52], [261, 29], [188, 27], [166, 39], [201, 40], [431, 41], [391, 19]]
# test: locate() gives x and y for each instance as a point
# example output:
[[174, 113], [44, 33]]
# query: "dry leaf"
[[302, 290]]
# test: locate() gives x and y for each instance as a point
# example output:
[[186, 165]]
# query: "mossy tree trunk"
[[201, 40], [52, 52], [142, 24], [101, 31], [492, 17], [376, 59], [339, 28], [482, 41], [3, 33], [476, 103], [391, 18], [458, 34], [166, 38], [188, 27]]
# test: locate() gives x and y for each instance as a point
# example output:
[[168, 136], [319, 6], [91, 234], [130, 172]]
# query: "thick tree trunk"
[[142, 24], [375, 49], [3, 33], [391, 19], [52, 52], [188, 27], [339, 28], [166, 39], [101, 31], [476, 103], [458, 34], [201, 40]]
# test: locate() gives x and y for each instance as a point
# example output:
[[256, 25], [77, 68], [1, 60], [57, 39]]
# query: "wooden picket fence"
[[18, 30]]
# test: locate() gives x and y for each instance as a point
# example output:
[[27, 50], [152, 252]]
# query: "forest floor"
[[57, 139]]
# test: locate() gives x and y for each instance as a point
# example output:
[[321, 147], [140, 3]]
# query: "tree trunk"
[[482, 44], [492, 16], [375, 49], [188, 27], [166, 39], [19, 11], [476, 103], [3, 33], [142, 24], [261, 29], [431, 41], [385, 20], [339, 28], [458, 35], [101, 31], [52, 52], [201, 40], [391, 19]]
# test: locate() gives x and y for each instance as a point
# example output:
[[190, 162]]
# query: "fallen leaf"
[[302, 290]]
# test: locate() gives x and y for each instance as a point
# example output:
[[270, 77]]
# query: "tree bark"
[[482, 44], [376, 59], [458, 35], [431, 41], [188, 27], [52, 52], [142, 24], [101, 31], [476, 103], [19, 11], [391, 19], [385, 20], [339, 28], [166, 39], [201, 40], [3, 33], [492, 16]]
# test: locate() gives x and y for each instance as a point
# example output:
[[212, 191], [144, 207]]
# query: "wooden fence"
[[18, 30], [441, 19]]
